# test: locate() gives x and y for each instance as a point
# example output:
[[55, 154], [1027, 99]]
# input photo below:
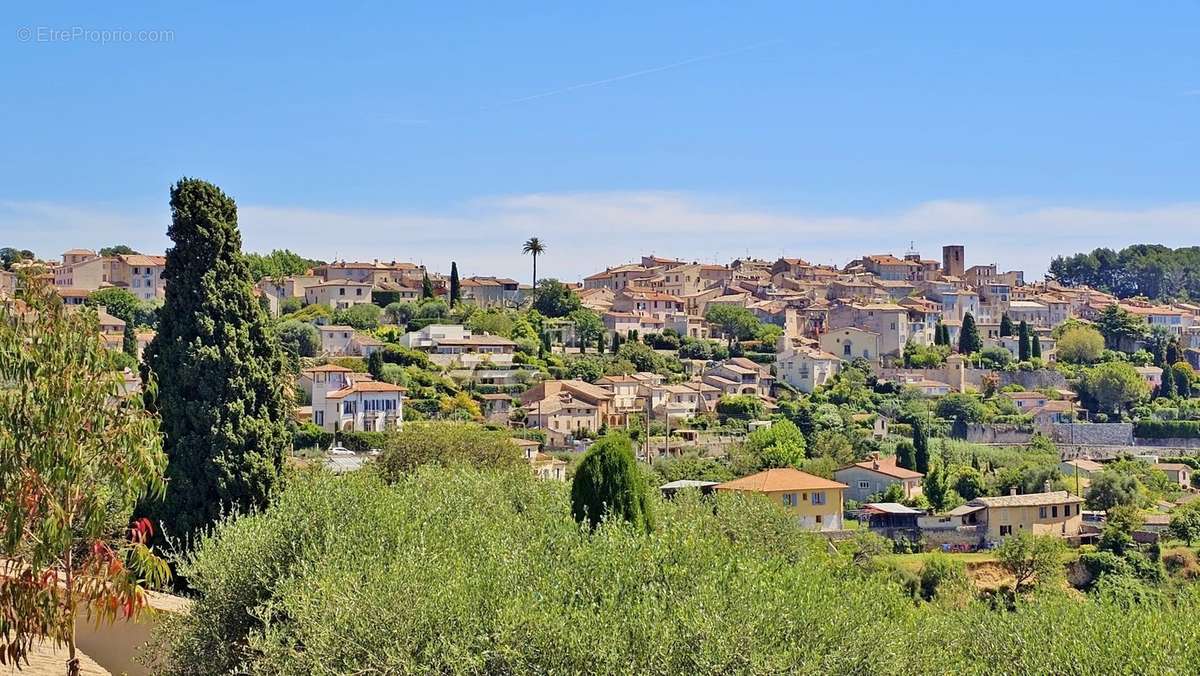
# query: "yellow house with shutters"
[[816, 501]]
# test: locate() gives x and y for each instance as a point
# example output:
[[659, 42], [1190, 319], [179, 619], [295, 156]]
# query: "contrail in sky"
[[628, 76]]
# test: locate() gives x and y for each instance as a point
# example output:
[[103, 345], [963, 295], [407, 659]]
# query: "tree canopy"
[[1151, 270], [222, 392]]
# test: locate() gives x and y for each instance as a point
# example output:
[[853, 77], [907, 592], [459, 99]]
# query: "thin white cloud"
[[585, 231]]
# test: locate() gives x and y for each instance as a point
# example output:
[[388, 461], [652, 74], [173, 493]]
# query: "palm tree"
[[534, 246]]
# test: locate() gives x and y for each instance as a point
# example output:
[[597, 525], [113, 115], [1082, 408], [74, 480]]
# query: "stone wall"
[[998, 434], [1169, 443], [1034, 380], [1091, 434]]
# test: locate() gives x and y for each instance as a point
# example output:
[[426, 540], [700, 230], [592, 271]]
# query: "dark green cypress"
[[1023, 342], [375, 364], [455, 289], [906, 455], [616, 342], [609, 483], [222, 392], [1167, 389], [1035, 347], [920, 447], [1006, 325], [969, 341], [426, 287]]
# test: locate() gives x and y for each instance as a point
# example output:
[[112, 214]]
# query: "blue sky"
[[705, 130]]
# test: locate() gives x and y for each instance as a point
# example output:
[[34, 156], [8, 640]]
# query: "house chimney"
[[1046, 486], [1012, 491]]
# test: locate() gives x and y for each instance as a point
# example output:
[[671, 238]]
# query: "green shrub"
[[457, 571], [1167, 429]]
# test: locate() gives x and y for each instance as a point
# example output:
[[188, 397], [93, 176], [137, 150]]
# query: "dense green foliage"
[[278, 264], [609, 485], [1150, 270], [445, 443], [1167, 429], [222, 393], [453, 571], [969, 341], [76, 454]]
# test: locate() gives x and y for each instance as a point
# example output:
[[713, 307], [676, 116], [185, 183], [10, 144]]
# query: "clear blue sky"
[[431, 132]]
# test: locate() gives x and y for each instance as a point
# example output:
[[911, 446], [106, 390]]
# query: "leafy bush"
[[445, 443], [451, 570]]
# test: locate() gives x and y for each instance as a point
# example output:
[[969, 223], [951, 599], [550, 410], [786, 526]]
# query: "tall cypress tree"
[[1166, 388], [221, 391], [1035, 347], [455, 290], [1006, 327], [906, 455], [616, 342], [937, 333], [920, 446], [426, 287], [969, 341], [1023, 342]]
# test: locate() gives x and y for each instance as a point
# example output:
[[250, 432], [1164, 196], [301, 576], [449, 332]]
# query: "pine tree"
[[906, 455], [945, 335], [455, 289], [609, 483], [1035, 347], [969, 341], [1006, 325], [222, 393], [426, 287], [1023, 342], [921, 447]]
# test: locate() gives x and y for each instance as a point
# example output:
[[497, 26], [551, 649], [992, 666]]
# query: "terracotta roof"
[[364, 386], [139, 260], [887, 467], [1172, 466], [780, 479], [326, 368], [335, 327], [1085, 464], [1028, 500]]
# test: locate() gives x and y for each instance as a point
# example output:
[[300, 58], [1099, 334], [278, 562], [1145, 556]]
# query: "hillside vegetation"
[[458, 570]]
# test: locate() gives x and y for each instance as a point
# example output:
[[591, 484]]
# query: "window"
[[319, 418], [1041, 512], [1054, 511], [789, 499], [341, 292], [818, 498], [818, 518], [864, 484], [1005, 530], [846, 349]]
